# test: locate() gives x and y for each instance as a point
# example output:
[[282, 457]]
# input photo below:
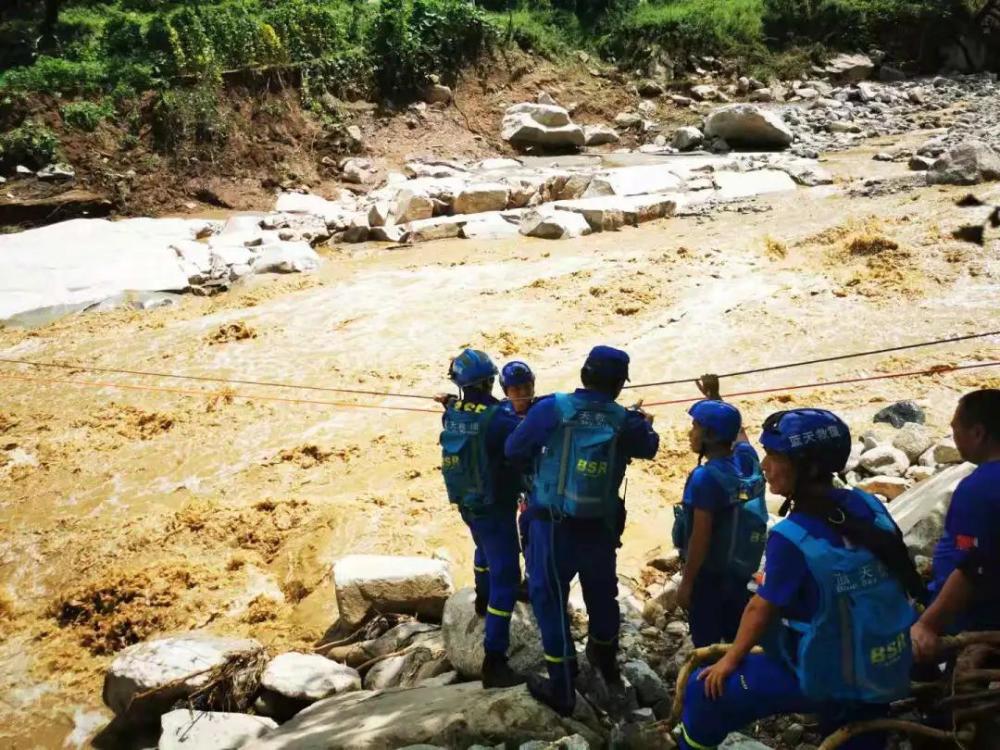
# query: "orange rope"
[[191, 392]]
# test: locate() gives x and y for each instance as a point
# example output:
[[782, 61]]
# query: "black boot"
[[497, 672], [604, 658], [482, 602], [544, 691]]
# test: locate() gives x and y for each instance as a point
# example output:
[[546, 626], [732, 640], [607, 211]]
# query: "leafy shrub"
[[546, 32], [411, 40], [31, 144], [86, 115], [122, 36], [309, 30], [55, 75], [188, 115]]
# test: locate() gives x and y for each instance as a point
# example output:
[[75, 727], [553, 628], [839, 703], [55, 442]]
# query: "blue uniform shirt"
[[973, 526], [788, 582], [500, 427], [637, 439], [703, 490]]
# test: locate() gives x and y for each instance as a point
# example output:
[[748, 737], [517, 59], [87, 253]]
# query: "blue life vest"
[[575, 475], [857, 646], [464, 463], [739, 531]]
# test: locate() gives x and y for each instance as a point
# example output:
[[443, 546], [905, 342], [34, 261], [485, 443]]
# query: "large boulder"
[[284, 257], [687, 138], [451, 716], [900, 413], [649, 686], [919, 512], [913, 439], [405, 585], [463, 636], [849, 68], [491, 226], [173, 667], [475, 199], [541, 125], [552, 224], [748, 126], [599, 135], [413, 205], [185, 729], [606, 214], [408, 669], [733, 185], [293, 681], [941, 453], [641, 180], [968, 163], [885, 461]]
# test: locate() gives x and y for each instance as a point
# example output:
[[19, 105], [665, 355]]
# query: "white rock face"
[[413, 205], [285, 257], [913, 439], [651, 178], [920, 511], [308, 676], [490, 227], [687, 138], [748, 126], [450, 716], [605, 214], [184, 729], [545, 125], [552, 224], [154, 664], [474, 199], [745, 184], [598, 135], [307, 203], [86, 260], [885, 460], [463, 630], [407, 585]]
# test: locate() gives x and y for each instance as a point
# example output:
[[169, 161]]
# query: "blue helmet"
[[722, 420], [516, 373], [608, 362], [815, 436], [472, 367]]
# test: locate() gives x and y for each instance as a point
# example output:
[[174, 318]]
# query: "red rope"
[[940, 369], [192, 392]]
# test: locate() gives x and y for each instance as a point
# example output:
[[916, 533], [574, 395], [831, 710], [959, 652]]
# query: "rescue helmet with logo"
[[722, 420], [516, 373], [472, 368], [809, 436], [606, 367]]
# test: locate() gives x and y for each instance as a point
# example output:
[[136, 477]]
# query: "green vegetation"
[[31, 144], [86, 115]]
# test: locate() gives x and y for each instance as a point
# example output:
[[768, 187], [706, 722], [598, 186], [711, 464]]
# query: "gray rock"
[[849, 68], [182, 662], [491, 226], [308, 676], [628, 119], [942, 452], [843, 126], [462, 630], [408, 669], [967, 163], [913, 439], [184, 729], [793, 734], [889, 74], [762, 95], [886, 461], [438, 94], [900, 413], [919, 473], [805, 172], [392, 233], [552, 224], [445, 678], [598, 135], [737, 741], [483, 197], [920, 163], [705, 92], [544, 97], [542, 125], [640, 736], [56, 173], [649, 88], [648, 685], [406, 585], [687, 138], [919, 512], [412, 205], [745, 125], [452, 716]]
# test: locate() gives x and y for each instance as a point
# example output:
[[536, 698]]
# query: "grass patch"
[[86, 116]]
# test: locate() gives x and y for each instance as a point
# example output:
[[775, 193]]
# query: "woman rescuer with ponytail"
[[834, 609]]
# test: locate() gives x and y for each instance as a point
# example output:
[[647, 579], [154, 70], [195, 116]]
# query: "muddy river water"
[[125, 513]]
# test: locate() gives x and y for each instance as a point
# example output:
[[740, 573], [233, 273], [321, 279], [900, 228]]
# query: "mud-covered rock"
[[405, 585], [748, 126]]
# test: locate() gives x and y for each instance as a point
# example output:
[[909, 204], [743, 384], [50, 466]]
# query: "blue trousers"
[[497, 567], [717, 604], [764, 686], [557, 552]]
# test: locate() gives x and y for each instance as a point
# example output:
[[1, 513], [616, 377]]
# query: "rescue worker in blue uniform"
[[485, 488], [581, 444], [838, 556], [966, 564], [720, 527]]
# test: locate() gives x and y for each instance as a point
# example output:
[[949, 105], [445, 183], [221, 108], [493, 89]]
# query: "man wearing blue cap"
[[580, 444]]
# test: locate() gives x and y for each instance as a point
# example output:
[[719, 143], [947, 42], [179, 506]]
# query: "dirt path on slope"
[[128, 513]]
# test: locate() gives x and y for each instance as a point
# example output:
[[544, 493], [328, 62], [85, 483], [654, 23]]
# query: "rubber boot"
[[497, 672], [604, 658], [482, 602], [555, 694]]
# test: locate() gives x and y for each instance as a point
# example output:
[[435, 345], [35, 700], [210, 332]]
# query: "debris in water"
[[238, 331]]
